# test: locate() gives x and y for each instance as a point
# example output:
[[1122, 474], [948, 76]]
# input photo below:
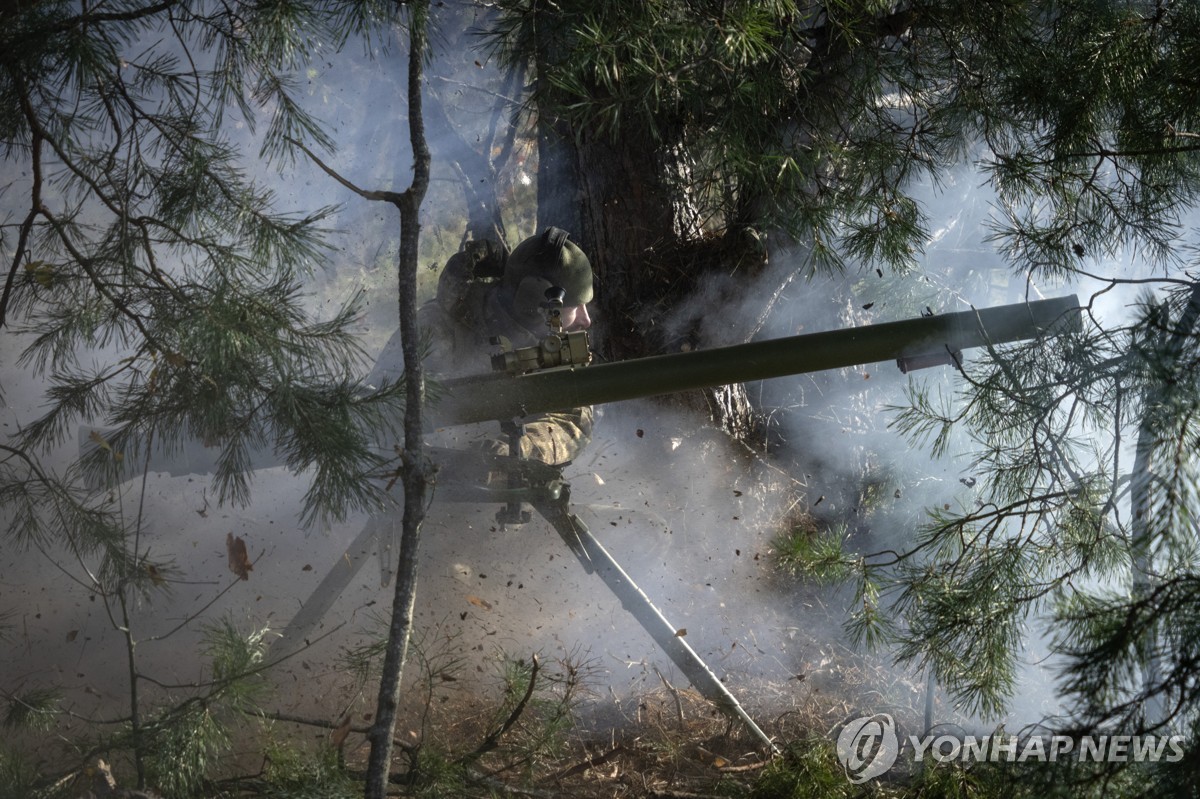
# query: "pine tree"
[[688, 123], [155, 288], [142, 232], [1087, 443]]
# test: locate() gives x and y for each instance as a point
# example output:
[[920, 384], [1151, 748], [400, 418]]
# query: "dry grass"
[[666, 742]]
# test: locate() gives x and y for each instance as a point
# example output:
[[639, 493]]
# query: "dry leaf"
[[338, 736], [155, 575], [239, 561], [479, 603], [711, 758], [104, 771], [681, 632], [103, 444]]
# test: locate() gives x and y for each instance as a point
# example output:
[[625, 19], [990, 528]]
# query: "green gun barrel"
[[912, 343]]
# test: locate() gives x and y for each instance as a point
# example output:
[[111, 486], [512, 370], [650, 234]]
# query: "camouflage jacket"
[[460, 322]]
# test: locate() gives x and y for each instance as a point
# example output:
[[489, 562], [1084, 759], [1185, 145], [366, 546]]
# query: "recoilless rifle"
[[557, 374]]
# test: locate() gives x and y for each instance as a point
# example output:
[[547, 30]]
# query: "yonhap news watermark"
[[869, 746]]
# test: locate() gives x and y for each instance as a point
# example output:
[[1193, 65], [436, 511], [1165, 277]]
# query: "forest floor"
[[668, 742]]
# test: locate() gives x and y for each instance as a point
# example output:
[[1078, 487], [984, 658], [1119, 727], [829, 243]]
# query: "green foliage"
[[1033, 780], [870, 622], [146, 237], [1067, 526], [185, 744], [1102, 157], [237, 660], [808, 769], [737, 90], [33, 710], [436, 773], [544, 719], [820, 119], [815, 554], [293, 772], [18, 778], [927, 420], [182, 747], [42, 508]]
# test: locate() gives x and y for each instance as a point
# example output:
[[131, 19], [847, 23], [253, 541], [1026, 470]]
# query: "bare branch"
[[385, 196], [493, 739]]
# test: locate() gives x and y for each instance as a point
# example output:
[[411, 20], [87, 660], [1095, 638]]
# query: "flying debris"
[[239, 560]]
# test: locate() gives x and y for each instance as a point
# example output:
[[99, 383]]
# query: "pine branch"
[[35, 204], [93, 17], [493, 738], [292, 718], [392, 197]]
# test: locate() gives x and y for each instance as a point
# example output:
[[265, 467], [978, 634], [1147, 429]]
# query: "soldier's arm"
[[557, 438]]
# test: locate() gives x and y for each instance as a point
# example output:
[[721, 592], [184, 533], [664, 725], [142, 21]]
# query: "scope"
[[558, 348]]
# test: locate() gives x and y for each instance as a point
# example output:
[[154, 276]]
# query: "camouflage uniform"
[[468, 311]]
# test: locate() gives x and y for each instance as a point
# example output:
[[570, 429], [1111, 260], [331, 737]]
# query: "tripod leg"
[[595, 558], [331, 587]]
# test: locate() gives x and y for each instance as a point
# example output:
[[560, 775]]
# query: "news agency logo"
[[867, 747]]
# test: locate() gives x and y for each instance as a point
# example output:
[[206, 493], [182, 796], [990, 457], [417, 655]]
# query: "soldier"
[[481, 295]]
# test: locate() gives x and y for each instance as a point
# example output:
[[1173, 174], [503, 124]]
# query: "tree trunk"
[[625, 198], [414, 468], [618, 199], [627, 225]]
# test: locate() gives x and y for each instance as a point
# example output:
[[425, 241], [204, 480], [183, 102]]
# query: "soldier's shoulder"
[[467, 279], [476, 262]]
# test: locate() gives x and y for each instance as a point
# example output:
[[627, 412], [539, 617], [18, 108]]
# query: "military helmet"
[[551, 257]]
